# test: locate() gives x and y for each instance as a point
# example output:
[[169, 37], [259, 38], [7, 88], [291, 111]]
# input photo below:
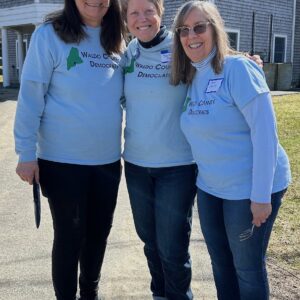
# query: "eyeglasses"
[[199, 28]]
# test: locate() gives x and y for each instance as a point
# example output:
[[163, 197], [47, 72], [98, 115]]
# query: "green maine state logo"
[[73, 58], [186, 103], [130, 69]]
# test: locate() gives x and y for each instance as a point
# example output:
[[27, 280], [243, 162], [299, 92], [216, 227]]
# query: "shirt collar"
[[203, 64]]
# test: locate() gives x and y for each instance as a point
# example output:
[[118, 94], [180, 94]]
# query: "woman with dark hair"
[[68, 134]]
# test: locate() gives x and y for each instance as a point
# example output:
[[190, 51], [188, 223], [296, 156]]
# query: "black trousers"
[[82, 201]]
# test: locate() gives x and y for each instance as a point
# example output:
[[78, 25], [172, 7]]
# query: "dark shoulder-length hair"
[[68, 25]]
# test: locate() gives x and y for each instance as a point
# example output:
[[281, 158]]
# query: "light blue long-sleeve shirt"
[[69, 102], [230, 123], [153, 137]]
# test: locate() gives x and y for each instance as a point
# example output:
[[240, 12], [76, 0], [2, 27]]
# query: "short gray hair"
[[159, 5]]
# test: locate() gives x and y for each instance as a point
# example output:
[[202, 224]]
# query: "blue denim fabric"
[[162, 201], [239, 267]]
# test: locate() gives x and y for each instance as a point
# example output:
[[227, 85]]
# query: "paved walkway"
[[25, 268], [25, 251], [283, 93]]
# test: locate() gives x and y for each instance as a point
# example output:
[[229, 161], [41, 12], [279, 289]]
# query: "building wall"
[[239, 14], [296, 69], [171, 8], [14, 19], [12, 3]]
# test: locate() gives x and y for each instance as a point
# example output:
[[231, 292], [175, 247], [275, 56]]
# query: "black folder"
[[37, 203]]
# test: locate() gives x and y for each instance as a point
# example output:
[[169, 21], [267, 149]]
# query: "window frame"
[[25, 41], [285, 46], [238, 32]]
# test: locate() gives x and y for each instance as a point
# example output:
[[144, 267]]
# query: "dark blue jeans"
[[162, 201], [239, 267], [82, 201]]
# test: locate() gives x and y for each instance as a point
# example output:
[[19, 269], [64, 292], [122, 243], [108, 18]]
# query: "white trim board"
[[26, 14]]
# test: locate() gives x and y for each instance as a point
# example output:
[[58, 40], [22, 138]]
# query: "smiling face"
[[197, 46], [92, 11], [143, 20]]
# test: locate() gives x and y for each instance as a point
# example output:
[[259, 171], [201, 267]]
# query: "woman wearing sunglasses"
[[159, 168], [68, 134], [229, 121]]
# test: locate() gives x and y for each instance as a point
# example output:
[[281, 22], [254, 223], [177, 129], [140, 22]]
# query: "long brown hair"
[[68, 25], [182, 70]]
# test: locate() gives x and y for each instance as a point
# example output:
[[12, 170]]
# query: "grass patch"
[[284, 243], [1, 78]]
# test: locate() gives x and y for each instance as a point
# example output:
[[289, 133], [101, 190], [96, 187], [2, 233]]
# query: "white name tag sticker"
[[214, 85], [165, 56]]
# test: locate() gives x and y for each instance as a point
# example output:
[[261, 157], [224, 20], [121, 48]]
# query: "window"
[[279, 49], [234, 38]]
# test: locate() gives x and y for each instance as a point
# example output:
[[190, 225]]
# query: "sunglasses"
[[199, 28]]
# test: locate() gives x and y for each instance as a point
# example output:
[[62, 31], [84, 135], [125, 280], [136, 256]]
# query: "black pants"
[[82, 201]]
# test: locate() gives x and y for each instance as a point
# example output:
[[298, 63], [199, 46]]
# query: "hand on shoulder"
[[256, 58]]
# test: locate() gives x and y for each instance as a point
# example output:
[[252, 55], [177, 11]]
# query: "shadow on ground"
[[8, 94]]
